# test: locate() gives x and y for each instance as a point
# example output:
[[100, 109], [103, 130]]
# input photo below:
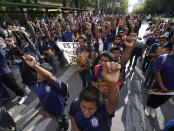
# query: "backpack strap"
[[63, 89], [58, 91], [96, 71]]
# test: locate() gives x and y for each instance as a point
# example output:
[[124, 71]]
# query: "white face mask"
[[18, 61]]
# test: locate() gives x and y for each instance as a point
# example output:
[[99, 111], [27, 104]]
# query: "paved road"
[[129, 113]]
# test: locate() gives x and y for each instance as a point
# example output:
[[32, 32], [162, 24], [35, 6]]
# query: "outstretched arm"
[[110, 74], [30, 60], [129, 42]]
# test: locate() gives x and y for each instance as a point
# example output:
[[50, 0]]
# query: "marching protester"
[[83, 61], [96, 78], [164, 70], [68, 34], [150, 41], [88, 113], [7, 78], [49, 90], [46, 50], [28, 75], [156, 50]]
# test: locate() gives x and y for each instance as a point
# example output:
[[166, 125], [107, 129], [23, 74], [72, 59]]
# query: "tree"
[[2, 15], [156, 6], [13, 9]]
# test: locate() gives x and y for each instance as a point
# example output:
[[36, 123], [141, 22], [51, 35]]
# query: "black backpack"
[[65, 93], [28, 74], [6, 121], [101, 118]]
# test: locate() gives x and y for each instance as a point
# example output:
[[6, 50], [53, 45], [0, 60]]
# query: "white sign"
[[117, 4], [69, 50]]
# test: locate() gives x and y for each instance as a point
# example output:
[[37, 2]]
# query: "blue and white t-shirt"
[[92, 123], [166, 70], [50, 97]]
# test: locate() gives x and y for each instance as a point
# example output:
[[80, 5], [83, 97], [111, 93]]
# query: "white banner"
[[69, 50]]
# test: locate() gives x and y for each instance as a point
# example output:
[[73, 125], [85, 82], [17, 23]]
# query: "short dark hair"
[[90, 94], [117, 36], [107, 54], [83, 37], [44, 38], [115, 48]]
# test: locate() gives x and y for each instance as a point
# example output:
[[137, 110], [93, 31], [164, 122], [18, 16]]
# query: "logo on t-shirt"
[[48, 89], [94, 122]]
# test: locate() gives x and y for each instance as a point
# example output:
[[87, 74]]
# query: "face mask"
[[18, 61]]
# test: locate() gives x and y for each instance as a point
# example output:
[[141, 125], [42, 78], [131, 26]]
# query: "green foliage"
[[103, 5], [139, 9], [2, 15], [13, 15], [39, 13], [156, 6], [123, 6]]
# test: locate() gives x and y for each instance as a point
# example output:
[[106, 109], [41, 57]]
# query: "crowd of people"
[[28, 43]]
